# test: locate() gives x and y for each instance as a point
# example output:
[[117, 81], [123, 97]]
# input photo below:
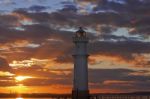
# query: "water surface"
[[26, 98]]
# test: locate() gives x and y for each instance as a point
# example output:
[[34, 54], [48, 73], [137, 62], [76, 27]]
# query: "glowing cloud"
[[21, 78]]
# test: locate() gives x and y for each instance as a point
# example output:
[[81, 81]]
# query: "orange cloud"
[[119, 82], [111, 58], [45, 63], [56, 89], [16, 43], [2, 73], [106, 90], [139, 60]]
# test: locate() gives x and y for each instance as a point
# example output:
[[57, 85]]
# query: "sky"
[[36, 45]]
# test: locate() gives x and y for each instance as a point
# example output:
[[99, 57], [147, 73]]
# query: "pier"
[[128, 96], [91, 96]]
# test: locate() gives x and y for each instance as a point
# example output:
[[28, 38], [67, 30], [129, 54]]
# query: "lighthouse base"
[[76, 94]]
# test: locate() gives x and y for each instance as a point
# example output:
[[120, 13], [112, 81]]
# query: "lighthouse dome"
[[80, 32]]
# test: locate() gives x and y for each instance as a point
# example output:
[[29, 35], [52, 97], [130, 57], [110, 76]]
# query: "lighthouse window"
[[78, 35], [84, 34]]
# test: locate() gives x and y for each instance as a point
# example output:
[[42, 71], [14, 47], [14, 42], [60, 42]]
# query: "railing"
[[119, 96], [109, 97]]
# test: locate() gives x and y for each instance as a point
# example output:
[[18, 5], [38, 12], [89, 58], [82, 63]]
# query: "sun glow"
[[19, 89], [21, 78], [19, 98]]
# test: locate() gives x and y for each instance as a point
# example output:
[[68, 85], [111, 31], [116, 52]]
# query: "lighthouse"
[[80, 83]]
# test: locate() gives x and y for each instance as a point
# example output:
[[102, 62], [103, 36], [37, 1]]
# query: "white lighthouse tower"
[[80, 87]]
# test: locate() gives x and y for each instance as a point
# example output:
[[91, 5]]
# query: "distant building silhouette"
[[80, 87]]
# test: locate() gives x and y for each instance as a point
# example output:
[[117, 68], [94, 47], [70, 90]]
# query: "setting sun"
[[21, 78], [19, 98]]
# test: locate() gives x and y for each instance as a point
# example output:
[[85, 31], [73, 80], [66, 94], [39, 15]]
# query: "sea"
[[26, 98]]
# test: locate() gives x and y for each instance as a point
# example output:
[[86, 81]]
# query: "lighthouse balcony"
[[80, 39]]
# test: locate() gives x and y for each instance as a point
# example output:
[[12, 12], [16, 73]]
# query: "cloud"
[[4, 66], [116, 11], [37, 8], [106, 12], [7, 2], [130, 52], [34, 8], [55, 25], [120, 79], [120, 47], [125, 80], [44, 76], [6, 73]]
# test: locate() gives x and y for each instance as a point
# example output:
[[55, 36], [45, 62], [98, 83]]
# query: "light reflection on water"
[[25, 98]]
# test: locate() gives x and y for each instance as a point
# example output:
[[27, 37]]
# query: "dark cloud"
[[34, 9], [8, 20], [119, 79], [49, 26], [122, 13], [6, 73], [116, 74], [124, 50], [124, 47], [69, 17], [37, 8], [69, 6], [4, 66]]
